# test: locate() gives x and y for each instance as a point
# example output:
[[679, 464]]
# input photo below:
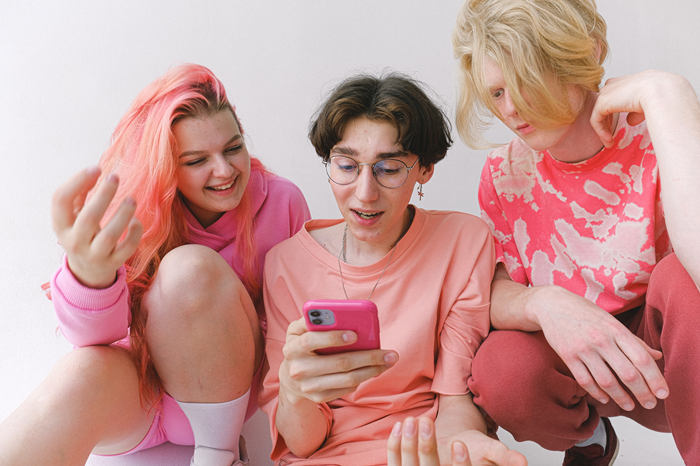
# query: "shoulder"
[[278, 186], [455, 224]]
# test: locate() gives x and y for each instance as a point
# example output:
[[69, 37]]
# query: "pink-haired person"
[[160, 289]]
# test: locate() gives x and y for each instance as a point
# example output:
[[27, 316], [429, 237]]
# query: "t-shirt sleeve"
[[279, 316], [467, 320], [493, 214], [89, 316]]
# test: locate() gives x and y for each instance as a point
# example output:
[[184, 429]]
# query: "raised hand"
[[94, 251], [599, 350], [321, 378]]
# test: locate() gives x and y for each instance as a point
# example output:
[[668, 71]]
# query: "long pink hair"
[[142, 154]]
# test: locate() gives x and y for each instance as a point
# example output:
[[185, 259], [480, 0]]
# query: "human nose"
[[508, 106], [366, 186], [222, 167]]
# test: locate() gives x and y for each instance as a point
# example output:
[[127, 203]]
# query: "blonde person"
[[595, 296], [161, 286], [429, 273]]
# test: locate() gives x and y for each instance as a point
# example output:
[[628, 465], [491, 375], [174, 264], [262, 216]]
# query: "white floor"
[[638, 447]]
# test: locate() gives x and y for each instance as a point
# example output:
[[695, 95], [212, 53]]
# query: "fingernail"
[[396, 431], [348, 337], [459, 453], [129, 201], [93, 170], [424, 428], [409, 427], [661, 393], [649, 404], [628, 406], [390, 358], [113, 177]]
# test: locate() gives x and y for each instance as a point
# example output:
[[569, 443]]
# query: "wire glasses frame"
[[390, 173]]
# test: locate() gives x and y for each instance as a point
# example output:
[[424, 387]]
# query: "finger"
[[409, 443], [602, 123], [393, 446], [608, 382], [460, 454], [643, 358], [584, 378], [127, 247], [106, 240], [317, 340], [63, 200], [343, 381], [87, 223], [297, 327], [427, 444]]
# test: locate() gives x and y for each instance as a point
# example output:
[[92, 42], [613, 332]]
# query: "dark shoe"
[[593, 455]]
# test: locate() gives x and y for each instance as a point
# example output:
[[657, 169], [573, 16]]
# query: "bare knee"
[[193, 279], [91, 375]]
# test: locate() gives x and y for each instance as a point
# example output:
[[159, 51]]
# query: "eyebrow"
[[198, 152], [342, 150]]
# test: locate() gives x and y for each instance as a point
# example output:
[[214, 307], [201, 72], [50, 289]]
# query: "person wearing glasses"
[[428, 272]]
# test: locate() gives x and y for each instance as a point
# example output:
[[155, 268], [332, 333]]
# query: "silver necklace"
[[340, 269]]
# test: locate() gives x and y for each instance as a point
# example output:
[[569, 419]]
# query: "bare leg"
[[90, 400], [202, 330]]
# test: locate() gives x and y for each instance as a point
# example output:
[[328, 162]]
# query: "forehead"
[[216, 128], [492, 72], [365, 135]]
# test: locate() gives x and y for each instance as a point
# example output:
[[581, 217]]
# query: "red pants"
[[523, 386]]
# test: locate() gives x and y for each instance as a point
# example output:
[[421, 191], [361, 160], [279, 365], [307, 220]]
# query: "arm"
[[459, 419], [89, 290], [594, 345], [672, 111], [308, 380]]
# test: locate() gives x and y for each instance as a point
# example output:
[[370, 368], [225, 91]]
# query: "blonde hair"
[[535, 42]]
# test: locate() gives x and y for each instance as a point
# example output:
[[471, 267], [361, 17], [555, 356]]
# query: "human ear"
[[426, 173]]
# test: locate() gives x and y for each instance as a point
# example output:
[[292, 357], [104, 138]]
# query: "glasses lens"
[[391, 173], [342, 170]]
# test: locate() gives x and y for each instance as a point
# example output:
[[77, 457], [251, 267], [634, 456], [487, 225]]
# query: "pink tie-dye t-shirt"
[[595, 227]]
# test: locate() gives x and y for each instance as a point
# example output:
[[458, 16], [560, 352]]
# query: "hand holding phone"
[[358, 315]]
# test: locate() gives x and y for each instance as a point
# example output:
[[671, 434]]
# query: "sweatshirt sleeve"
[[467, 320], [89, 316]]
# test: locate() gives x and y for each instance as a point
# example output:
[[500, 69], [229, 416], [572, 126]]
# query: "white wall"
[[69, 70]]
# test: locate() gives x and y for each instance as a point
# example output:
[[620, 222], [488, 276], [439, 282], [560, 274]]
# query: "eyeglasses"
[[390, 173]]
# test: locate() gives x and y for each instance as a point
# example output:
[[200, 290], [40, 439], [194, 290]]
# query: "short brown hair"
[[423, 129]]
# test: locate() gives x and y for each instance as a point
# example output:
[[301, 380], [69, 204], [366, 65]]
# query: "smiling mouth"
[[222, 187]]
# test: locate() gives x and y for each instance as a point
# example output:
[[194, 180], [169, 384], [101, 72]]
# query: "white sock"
[[599, 436], [217, 430]]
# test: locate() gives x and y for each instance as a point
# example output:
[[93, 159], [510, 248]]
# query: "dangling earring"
[[420, 192]]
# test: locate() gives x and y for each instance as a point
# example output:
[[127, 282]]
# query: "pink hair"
[[141, 153]]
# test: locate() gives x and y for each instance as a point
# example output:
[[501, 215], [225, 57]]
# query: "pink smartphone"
[[358, 315]]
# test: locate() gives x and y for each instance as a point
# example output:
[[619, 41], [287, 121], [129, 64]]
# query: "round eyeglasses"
[[390, 173]]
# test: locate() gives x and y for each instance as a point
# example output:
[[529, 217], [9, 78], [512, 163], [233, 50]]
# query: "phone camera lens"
[[315, 314], [317, 321]]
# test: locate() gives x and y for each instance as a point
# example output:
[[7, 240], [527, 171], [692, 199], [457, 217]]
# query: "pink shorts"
[[171, 425]]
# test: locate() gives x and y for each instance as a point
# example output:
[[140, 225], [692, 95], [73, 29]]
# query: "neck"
[[358, 252], [580, 141]]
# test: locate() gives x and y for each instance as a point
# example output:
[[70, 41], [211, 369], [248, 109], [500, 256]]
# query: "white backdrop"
[[69, 69]]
